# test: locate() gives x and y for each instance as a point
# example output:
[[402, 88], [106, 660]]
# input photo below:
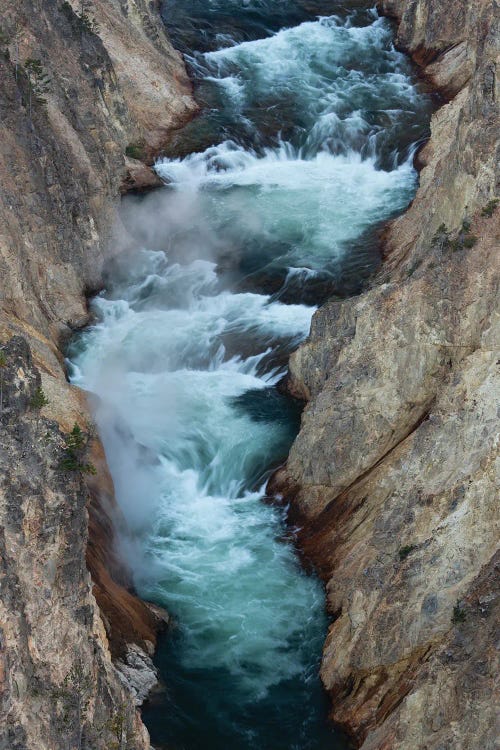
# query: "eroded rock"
[[62, 163], [394, 475]]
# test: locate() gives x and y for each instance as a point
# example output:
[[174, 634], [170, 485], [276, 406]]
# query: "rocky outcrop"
[[85, 104], [394, 475], [58, 688]]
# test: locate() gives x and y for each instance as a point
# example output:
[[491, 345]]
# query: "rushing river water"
[[303, 146]]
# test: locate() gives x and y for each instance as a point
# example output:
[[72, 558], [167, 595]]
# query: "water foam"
[[183, 463], [314, 151]]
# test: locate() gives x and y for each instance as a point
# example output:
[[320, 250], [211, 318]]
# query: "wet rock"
[[138, 673], [139, 178]]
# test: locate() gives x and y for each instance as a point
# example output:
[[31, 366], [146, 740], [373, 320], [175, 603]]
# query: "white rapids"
[[184, 366]]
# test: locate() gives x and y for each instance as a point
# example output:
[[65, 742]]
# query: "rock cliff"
[[86, 101], [394, 475]]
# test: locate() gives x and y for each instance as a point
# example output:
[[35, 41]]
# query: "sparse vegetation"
[[117, 725], [71, 699], [464, 240], [469, 241], [135, 151], [406, 550], [458, 615], [490, 208], [81, 21], [441, 239], [413, 268], [4, 42], [68, 12], [38, 400], [37, 82], [74, 452]]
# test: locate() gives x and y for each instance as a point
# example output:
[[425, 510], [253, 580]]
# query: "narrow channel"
[[304, 145]]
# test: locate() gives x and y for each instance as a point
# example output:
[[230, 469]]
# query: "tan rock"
[[394, 474], [61, 172]]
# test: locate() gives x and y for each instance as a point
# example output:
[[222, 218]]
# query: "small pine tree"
[[458, 615], [490, 208], [38, 82], [38, 400], [75, 441], [441, 240], [118, 727], [72, 697], [74, 452]]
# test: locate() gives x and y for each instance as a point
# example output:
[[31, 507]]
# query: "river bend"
[[304, 146]]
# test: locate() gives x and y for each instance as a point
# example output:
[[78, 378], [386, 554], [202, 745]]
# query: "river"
[[304, 146]]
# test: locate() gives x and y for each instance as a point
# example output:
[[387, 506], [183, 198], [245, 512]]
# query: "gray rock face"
[[138, 673], [62, 166], [394, 475], [58, 687]]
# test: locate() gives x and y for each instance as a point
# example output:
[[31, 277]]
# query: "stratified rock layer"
[[101, 100], [394, 475]]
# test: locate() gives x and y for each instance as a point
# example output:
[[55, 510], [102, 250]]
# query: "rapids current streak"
[[305, 142]]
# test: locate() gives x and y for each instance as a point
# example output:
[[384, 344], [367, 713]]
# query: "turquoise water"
[[304, 145]]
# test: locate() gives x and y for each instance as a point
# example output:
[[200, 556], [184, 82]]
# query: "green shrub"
[[406, 550], [490, 208], [81, 22], [37, 83], [458, 614], [135, 151], [4, 42], [74, 452], [469, 241], [67, 10], [38, 400], [441, 239], [413, 268]]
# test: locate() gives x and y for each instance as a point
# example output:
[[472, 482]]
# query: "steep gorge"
[[392, 474]]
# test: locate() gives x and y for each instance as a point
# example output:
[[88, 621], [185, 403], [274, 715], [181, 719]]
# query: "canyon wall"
[[98, 87], [393, 478], [393, 474]]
